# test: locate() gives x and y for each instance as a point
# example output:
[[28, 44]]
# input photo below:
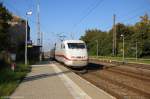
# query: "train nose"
[[78, 57], [81, 57]]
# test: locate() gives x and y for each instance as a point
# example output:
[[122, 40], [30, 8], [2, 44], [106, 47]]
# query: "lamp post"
[[136, 51], [97, 48], [123, 47], [26, 38]]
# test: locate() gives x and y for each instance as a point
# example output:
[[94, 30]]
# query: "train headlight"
[[73, 57]]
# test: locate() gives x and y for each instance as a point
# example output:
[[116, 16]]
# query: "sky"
[[73, 17]]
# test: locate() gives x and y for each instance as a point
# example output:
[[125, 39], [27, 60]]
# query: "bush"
[[7, 88], [22, 68], [4, 59], [10, 79]]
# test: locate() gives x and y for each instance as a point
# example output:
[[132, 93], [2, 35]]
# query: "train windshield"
[[76, 45]]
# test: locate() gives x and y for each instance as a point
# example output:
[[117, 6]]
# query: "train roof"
[[73, 41]]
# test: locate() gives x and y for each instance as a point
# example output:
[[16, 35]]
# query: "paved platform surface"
[[53, 81]]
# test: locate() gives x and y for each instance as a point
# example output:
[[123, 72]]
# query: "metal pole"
[[114, 35], [72, 36], [41, 40], [123, 48], [97, 47], [136, 51], [26, 38], [26, 52], [38, 24]]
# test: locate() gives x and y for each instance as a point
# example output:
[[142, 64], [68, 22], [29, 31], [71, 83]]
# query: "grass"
[[7, 88], [9, 79], [129, 60]]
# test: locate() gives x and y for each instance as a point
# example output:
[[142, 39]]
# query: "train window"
[[62, 46], [76, 45]]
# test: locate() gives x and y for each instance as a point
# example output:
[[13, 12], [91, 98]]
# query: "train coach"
[[72, 53]]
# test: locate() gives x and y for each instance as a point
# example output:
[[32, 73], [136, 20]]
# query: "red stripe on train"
[[69, 58]]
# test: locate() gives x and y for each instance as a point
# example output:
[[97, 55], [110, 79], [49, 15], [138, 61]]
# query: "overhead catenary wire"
[[140, 11], [89, 12], [132, 17], [131, 12], [90, 9], [129, 18]]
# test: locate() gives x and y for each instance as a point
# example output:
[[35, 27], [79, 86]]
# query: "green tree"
[[142, 35], [5, 43], [134, 34], [5, 17], [94, 37]]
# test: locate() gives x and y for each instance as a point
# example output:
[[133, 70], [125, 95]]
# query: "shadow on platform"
[[41, 76]]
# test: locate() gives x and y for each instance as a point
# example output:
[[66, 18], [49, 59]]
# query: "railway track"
[[115, 88], [135, 65], [138, 75], [123, 82], [142, 66], [140, 71]]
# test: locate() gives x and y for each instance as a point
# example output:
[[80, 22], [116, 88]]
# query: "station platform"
[[53, 81]]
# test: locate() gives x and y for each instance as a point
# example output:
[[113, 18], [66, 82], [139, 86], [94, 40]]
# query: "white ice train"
[[72, 53]]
